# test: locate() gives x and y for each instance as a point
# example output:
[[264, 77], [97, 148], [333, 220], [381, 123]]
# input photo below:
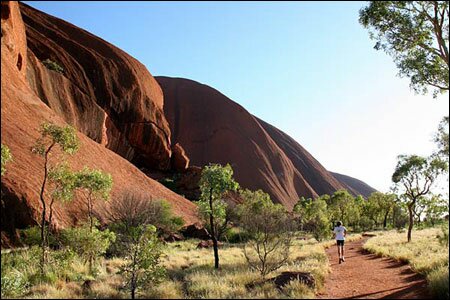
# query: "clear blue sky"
[[308, 68]]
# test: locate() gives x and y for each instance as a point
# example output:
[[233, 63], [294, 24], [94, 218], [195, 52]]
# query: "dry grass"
[[191, 274], [424, 253]]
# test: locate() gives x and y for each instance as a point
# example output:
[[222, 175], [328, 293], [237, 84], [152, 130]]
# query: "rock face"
[[23, 111], [213, 128], [102, 91], [355, 185]]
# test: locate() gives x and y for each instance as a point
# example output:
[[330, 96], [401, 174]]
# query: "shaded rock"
[[179, 160], [286, 277], [195, 230], [187, 183], [208, 244], [173, 237]]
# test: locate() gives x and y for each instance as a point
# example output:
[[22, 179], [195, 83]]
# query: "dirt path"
[[365, 276]]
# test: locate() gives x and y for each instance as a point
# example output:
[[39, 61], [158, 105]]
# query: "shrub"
[[438, 283], [90, 245], [143, 248], [51, 65], [134, 208], [270, 230], [443, 236]]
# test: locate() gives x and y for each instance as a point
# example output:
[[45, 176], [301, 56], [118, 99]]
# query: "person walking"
[[339, 232]]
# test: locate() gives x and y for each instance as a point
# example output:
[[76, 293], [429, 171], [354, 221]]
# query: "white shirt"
[[339, 231]]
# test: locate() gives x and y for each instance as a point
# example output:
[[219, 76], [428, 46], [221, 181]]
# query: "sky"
[[308, 68]]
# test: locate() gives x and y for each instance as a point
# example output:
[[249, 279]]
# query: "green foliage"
[[52, 134], [50, 64], [441, 138], [443, 235], [216, 180], [96, 182], [64, 182], [316, 219], [416, 35], [143, 256], [269, 229], [88, 243], [6, 157], [343, 207], [31, 236]]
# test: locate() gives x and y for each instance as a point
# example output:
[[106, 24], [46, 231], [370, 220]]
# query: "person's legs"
[[342, 252]]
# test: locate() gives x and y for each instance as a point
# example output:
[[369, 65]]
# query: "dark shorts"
[[340, 242]]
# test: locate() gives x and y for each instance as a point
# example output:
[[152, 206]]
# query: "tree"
[[301, 208], [6, 157], [436, 206], [378, 206], [51, 136], [341, 206], [315, 216], [216, 180], [143, 254], [97, 184], [441, 139], [416, 35], [64, 184], [270, 229], [414, 176]]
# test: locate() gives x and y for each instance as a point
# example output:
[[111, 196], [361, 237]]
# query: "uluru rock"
[[22, 113], [214, 129], [352, 184], [104, 92]]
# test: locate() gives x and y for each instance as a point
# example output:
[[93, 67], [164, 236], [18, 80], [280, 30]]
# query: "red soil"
[[366, 276]]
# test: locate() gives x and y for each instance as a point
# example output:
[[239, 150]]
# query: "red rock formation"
[[213, 128], [356, 186], [104, 92], [22, 112]]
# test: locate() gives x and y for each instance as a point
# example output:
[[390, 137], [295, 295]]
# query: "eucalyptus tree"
[[215, 182], [414, 176], [52, 136], [416, 35]]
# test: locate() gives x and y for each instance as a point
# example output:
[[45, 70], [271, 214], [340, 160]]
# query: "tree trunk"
[[44, 210], [411, 222], [385, 219], [90, 213], [213, 233]]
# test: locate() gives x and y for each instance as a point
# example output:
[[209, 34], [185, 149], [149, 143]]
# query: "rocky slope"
[[32, 94], [213, 128]]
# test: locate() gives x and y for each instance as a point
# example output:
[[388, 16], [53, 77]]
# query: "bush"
[[438, 283], [143, 254], [236, 235], [89, 245], [51, 65], [270, 230], [32, 237], [443, 236], [134, 208]]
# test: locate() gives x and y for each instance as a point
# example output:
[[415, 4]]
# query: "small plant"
[[270, 230], [143, 248], [6, 157], [51, 65], [443, 236], [88, 243]]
